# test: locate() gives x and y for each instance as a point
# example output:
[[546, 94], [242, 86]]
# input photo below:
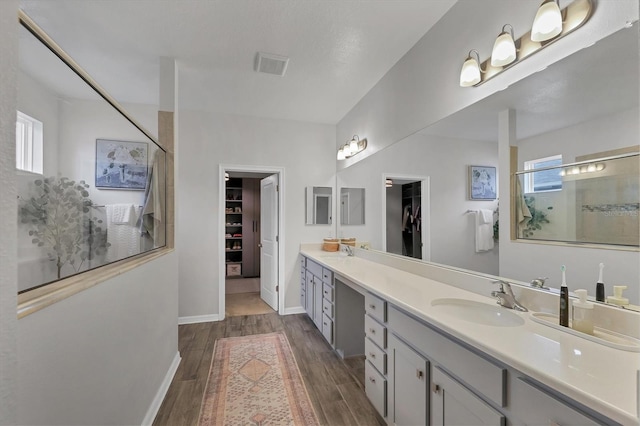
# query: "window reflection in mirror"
[[352, 206], [318, 205], [597, 203], [91, 189]]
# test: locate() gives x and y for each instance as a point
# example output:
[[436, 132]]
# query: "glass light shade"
[[470, 74], [504, 50], [226, 176], [548, 21], [388, 183], [341, 153], [347, 150], [353, 146], [591, 168]]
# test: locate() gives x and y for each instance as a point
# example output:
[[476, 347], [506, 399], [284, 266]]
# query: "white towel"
[[120, 213], [484, 231], [122, 234]]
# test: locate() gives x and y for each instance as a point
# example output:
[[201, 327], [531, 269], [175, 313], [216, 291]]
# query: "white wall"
[[423, 87], [527, 261], [445, 161], [100, 356], [8, 209], [206, 140]]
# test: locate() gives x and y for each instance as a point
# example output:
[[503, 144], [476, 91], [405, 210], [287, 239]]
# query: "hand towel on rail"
[[484, 230]]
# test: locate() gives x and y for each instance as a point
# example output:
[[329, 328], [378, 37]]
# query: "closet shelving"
[[233, 228]]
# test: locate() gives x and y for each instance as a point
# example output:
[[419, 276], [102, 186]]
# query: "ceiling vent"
[[269, 63]]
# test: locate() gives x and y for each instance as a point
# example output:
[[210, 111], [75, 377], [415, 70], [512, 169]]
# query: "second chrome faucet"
[[506, 298]]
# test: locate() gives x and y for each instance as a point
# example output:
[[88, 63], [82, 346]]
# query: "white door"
[[269, 240]]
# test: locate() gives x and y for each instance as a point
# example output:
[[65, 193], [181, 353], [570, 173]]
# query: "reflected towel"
[[122, 234], [523, 215], [484, 230]]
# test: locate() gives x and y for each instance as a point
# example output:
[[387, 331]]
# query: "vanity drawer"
[[314, 268], [327, 276], [327, 308], [376, 356], [327, 329], [376, 307], [484, 375], [375, 331], [376, 388], [327, 292]]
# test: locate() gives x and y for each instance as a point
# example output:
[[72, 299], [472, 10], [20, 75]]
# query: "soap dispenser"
[[582, 313], [617, 298]]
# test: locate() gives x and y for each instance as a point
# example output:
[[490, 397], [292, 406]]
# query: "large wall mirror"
[[352, 206], [91, 183], [584, 104]]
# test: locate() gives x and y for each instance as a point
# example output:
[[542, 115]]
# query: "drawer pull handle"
[[372, 306], [419, 374], [435, 388], [326, 292], [326, 325], [372, 355], [372, 380], [373, 331]]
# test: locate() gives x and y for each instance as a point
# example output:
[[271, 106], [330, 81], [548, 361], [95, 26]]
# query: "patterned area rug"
[[254, 380]]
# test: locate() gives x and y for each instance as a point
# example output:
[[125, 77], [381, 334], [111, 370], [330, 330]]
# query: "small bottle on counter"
[[617, 298], [564, 299], [582, 316]]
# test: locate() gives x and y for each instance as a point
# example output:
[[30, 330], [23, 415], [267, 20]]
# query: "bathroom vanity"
[[439, 354]]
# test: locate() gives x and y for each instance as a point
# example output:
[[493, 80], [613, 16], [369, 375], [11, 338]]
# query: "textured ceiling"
[[338, 49]]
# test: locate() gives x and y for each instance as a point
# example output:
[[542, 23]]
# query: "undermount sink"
[[477, 312]]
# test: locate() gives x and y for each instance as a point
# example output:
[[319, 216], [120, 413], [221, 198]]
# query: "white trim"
[[198, 319], [425, 200], [279, 171], [295, 310], [162, 391]]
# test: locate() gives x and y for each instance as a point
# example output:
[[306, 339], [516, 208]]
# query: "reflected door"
[[269, 240]]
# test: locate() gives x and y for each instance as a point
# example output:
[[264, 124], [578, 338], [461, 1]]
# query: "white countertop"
[[597, 376]]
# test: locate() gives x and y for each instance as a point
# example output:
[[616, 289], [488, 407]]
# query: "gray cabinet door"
[[453, 404], [409, 378], [309, 291], [317, 302]]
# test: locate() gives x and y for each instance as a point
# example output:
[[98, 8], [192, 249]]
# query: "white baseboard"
[[162, 392], [198, 318], [295, 310]]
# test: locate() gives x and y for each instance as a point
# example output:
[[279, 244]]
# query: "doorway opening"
[[250, 240], [406, 216]]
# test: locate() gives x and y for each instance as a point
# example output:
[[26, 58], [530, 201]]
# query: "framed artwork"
[[482, 183], [121, 164]]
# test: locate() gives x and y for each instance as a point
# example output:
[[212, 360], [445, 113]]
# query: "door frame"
[[279, 172], [425, 201]]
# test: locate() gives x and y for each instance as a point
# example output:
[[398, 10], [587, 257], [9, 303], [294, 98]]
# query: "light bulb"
[[591, 168], [548, 21]]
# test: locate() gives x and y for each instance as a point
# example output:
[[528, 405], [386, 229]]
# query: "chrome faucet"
[[506, 298], [348, 249], [539, 283]]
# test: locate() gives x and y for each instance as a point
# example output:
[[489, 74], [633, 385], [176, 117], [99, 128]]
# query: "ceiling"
[[338, 49], [597, 81]]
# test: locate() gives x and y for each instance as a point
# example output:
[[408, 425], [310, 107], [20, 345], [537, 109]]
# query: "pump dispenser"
[[582, 313], [617, 298]]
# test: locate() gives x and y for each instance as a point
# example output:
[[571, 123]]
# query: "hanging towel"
[[122, 234], [523, 215], [484, 230]]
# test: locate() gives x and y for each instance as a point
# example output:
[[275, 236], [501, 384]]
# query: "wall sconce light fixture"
[[548, 21], [388, 183], [351, 148], [549, 26], [226, 177], [504, 49]]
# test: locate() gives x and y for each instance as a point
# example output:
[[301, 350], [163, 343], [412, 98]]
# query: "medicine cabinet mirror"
[[91, 181], [352, 206], [318, 205]]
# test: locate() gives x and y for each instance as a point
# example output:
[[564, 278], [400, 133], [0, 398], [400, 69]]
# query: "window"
[[546, 180], [28, 144]]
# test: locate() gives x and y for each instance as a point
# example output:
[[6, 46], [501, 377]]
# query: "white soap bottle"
[[582, 318], [617, 298]]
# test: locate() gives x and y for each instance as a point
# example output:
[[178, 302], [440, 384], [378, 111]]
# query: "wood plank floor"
[[336, 387]]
